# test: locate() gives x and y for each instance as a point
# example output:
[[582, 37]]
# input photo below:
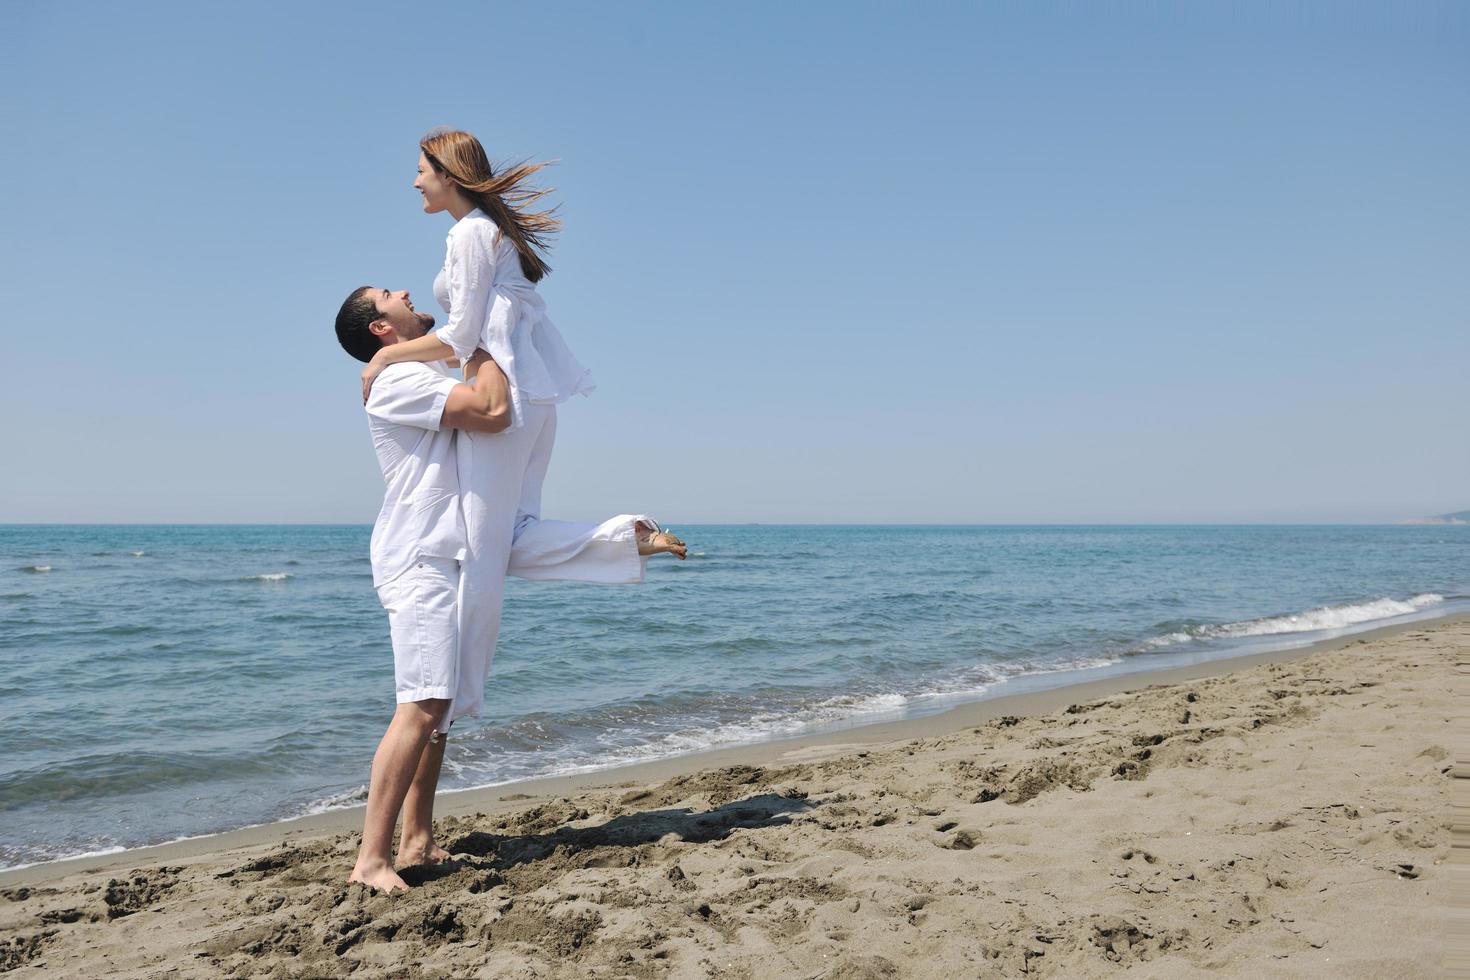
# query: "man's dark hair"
[[353, 319]]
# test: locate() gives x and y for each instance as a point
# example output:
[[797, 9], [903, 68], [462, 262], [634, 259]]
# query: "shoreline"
[[789, 750], [1289, 813]]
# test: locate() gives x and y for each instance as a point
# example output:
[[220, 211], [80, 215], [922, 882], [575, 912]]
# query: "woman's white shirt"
[[491, 305]]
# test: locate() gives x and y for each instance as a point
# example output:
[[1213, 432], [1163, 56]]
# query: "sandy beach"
[[1283, 814]]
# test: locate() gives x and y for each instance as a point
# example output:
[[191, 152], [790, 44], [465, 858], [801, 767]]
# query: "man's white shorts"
[[424, 622]]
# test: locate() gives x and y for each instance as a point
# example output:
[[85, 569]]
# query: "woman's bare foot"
[[378, 877], [653, 541], [414, 852]]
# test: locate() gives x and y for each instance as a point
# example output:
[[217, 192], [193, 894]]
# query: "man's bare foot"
[[654, 541], [378, 877], [414, 853]]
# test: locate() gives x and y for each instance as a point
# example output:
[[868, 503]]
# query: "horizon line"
[[1404, 522]]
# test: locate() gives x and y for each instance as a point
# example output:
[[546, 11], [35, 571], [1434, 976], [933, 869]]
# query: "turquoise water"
[[162, 682]]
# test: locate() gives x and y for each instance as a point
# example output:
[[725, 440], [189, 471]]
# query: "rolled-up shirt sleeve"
[[469, 272]]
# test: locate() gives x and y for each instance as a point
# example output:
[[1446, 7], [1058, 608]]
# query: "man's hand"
[[490, 382], [477, 360]]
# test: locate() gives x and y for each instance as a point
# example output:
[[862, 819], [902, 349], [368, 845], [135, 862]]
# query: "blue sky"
[[828, 262]]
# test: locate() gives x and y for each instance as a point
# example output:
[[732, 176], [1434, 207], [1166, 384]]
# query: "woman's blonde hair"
[[504, 196]]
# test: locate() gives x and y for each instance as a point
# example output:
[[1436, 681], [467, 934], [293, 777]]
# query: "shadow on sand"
[[505, 851]]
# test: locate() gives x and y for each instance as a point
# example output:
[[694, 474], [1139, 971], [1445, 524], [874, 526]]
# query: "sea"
[[159, 683]]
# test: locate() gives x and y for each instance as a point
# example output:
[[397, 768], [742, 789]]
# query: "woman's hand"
[[417, 351], [369, 375]]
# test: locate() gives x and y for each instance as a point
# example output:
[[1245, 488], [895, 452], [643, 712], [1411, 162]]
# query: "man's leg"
[[422, 619], [394, 764], [417, 846]]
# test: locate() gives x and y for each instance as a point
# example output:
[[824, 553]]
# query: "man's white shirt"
[[421, 510]]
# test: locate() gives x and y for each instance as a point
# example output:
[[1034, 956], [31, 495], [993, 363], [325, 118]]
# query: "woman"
[[487, 287]]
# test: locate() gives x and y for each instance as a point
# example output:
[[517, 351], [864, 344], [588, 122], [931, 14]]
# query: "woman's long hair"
[[504, 196]]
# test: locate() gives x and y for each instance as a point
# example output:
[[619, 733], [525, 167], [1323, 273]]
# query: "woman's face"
[[437, 189]]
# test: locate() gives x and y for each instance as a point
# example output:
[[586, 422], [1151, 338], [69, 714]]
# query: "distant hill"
[[1458, 517]]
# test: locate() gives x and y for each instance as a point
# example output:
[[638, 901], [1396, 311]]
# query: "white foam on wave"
[[120, 848], [270, 577], [38, 568], [620, 747], [627, 747], [65, 856], [764, 726], [339, 801], [139, 554], [1311, 621]]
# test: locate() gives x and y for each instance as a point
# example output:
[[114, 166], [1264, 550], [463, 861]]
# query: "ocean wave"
[[49, 854], [1311, 621], [109, 775], [139, 554], [46, 855], [268, 577], [742, 645], [35, 568], [679, 725], [632, 735], [339, 801], [619, 746], [123, 629]]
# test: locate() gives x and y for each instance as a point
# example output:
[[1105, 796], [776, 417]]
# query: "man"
[[442, 625], [417, 544]]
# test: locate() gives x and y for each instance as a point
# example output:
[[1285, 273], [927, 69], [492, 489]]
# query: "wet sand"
[[1286, 813]]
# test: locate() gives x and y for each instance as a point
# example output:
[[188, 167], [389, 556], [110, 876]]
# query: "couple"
[[463, 463]]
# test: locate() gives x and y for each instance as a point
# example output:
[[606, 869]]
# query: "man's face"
[[396, 310]]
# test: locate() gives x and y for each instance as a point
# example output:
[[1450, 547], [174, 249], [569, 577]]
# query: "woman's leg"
[[501, 476], [611, 552], [570, 551], [491, 472], [653, 540]]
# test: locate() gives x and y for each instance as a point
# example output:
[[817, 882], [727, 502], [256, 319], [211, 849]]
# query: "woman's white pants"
[[500, 478]]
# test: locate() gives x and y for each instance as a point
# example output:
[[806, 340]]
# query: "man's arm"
[[483, 405]]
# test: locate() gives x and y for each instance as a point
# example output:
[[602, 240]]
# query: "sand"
[[1270, 816]]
